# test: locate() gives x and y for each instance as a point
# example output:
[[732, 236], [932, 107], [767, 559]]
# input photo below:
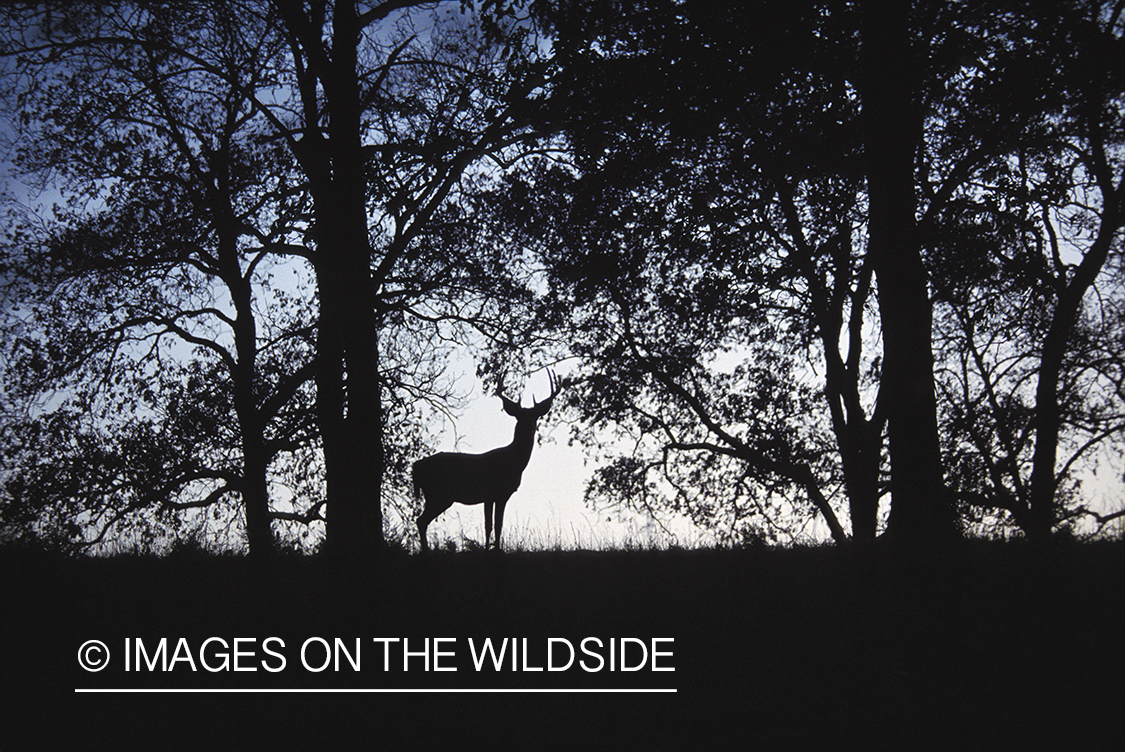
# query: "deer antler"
[[500, 390], [556, 387]]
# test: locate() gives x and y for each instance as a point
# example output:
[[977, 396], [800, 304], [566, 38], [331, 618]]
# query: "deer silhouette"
[[489, 478]]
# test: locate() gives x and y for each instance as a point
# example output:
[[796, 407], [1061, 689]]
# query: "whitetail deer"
[[490, 478]]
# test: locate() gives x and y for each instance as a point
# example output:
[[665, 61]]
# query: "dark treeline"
[[854, 261]]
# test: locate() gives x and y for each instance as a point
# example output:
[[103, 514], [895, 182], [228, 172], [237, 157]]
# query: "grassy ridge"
[[989, 645]]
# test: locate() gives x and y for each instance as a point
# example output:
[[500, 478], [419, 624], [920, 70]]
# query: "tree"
[[1033, 326], [382, 149], [167, 247], [1096, 109], [771, 167], [893, 113], [696, 233]]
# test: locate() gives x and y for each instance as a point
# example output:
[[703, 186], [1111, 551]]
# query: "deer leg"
[[487, 521], [499, 520], [429, 514]]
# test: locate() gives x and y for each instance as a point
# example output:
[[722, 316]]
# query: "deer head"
[[537, 409]]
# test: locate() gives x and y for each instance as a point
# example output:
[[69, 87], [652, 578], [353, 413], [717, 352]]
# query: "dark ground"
[[991, 646]]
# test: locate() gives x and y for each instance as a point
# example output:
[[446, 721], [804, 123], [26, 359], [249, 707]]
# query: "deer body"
[[489, 478]]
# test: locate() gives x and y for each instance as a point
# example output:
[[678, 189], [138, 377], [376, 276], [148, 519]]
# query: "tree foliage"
[[266, 190], [717, 256], [161, 268], [1026, 257], [851, 264]]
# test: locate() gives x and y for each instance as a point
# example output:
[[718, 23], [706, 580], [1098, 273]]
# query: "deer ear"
[[511, 408], [542, 408]]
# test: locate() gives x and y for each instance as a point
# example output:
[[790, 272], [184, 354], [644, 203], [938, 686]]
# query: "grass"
[[985, 646]]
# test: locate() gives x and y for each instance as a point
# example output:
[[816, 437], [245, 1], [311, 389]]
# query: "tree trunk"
[[921, 507], [244, 375], [348, 397], [1043, 511], [256, 503], [861, 473]]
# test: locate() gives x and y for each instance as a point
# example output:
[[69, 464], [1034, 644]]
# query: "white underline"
[[464, 690]]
